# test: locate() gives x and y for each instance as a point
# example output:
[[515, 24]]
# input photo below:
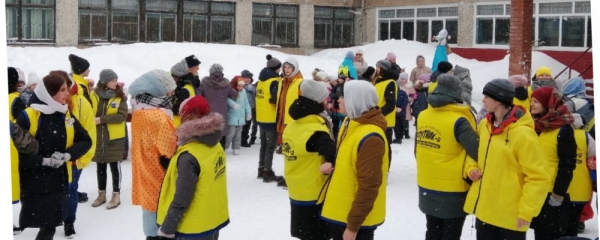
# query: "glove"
[[554, 202], [248, 117], [52, 162], [61, 156], [162, 234], [237, 106]]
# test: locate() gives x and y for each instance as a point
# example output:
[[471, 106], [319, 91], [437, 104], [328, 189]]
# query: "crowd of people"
[[526, 160]]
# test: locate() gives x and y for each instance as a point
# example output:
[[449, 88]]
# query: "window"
[[275, 24], [30, 20], [419, 24], [209, 22], [93, 20], [556, 24], [161, 20], [334, 27], [125, 20]]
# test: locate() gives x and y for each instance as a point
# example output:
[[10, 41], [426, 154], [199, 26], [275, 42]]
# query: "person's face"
[[393, 60], [536, 107], [420, 62], [490, 104], [112, 84], [20, 84], [287, 70], [377, 71], [239, 87], [62, 94], [403, 81], [334, 83], [247, 80], [278, 70], [544, 77], [86, 73], [194, 70], [342, 105], [32, 86], [358, 56]]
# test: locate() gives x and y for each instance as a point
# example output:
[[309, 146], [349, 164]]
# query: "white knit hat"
[[21, 75], [314, 90], [33, 79]]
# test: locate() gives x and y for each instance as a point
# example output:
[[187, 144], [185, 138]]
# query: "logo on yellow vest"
[[429, 137], [288, 152], [260, 94], [219, 167]]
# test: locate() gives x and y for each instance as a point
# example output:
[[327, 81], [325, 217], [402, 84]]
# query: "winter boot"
[[83, 197], [269, 176], [101, 199], [281, 183], [252, 140], [69, 231], [16, 230], [236, 152], [115, 201], [246, 145], [46, 233], [260, 173]]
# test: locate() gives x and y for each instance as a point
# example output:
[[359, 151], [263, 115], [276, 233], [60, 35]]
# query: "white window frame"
[[415, 19], [536, 17]]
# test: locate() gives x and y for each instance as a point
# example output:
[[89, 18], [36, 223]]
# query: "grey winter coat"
[[216, 89], [108, 151]]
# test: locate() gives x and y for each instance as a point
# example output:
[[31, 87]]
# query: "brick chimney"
[[521, 35]]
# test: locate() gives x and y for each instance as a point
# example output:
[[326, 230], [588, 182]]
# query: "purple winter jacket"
[[216, 89]]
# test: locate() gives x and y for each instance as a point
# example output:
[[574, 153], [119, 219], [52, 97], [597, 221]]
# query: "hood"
[[295, 64], [373, 116], [206, 130], [303, 107], [461, 72], [267, 74], [517, 116], [439, 100], [574, 87], [216, 80]]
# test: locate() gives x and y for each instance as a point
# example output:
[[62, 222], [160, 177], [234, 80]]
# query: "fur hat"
[[192, 61], [78, 64]]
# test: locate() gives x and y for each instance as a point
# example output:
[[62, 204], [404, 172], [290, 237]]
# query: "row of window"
[[555, 24], [177, 20]]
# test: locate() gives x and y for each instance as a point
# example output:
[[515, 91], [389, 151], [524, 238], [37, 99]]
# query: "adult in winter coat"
[[186, 86], [464, 75], [216, 90], [553, 125], [543, 77], [308, 146], [522, 95], [238, 113], [445, 140], [355, 200], [419, 70], [266, 116], [248, 136], [509, 178], [153, 142], [347, 66], [32, 81], [15, 104], [81, 69], [111, 113], [21, 142], [387, 93], [45, 176], [579, 103], [360, 64], [83, 111], [193, 197], [401, 107], [441, 53]]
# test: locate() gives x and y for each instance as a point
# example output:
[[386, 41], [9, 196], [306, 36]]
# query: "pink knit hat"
[[518, 80], [391, 56], [425, 77]]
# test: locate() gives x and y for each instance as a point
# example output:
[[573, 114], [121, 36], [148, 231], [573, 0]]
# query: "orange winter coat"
[[153, 136]]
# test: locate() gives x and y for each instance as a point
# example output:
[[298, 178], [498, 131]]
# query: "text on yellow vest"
[[115, 130], [265, 111], [292, 94], [380, 87]]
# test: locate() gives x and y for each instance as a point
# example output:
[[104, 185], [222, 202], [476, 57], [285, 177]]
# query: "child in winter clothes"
[[347, 66], [401, 107], [193, 197], [238, 113], [249, 131], [420, 102], [31, 83], [407, 86]]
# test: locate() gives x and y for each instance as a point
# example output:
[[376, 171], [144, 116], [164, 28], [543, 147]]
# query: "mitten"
[[162, 234], [61, 156], [52, 162], [554, 202], [248, 117]]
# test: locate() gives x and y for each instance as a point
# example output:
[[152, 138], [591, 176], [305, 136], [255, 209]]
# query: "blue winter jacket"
[[237, 117], [402, 102], [347, 68]]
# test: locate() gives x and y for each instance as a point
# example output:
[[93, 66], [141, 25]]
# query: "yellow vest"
[[14, 171], [208, 210], [265, 111], [292, 94], [34, 121], [302, 174], [11, 100], [115, 130], [341, 192], [192, 91], [431, 87], [440, 158], [83, 88], [580, 189], [380, 87], [549, 141]]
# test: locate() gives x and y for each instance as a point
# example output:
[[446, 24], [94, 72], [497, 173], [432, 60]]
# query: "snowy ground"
[[260, 211]]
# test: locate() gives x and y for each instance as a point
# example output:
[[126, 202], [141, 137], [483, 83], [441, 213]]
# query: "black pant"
[[399, 128], [268, 143], [406, 132], [337, 232], [388, 134], [444, 229], [306, 223], [551, 223], [573, 220], [246, 128], [126, 149], [490, 232], [115, 170], [223, 140], [46, 233], [336, 120]]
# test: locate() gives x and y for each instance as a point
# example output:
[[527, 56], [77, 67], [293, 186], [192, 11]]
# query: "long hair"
[[69, 82], [118, 91]]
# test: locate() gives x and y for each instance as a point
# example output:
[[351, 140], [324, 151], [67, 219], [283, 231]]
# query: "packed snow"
[[257, 210]]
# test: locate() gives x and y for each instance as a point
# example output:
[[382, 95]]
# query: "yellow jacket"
[[83, 111], [514, 181]]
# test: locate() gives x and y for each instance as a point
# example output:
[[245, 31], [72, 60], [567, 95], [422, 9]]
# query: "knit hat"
[[449, 85], [165, 79], [543, 95], [78, 64], [360, 51], [426, 77], [384, 64], [368, 73], [194, 107], [444, 66], [247, 74], [313, 90], [33, 79], [191, 61], [21, 75], [321, 76], [391, 56], [518, 80], [543, 70], [181, 68], [13, 76], [216, 68], [403, 76], [500, 90], [106, 75], [350, 55], [273, 63]]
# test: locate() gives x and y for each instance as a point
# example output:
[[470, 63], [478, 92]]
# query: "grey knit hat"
[[216, 68], [180, 69], [449, 85], [273, 63], [106, 75], [500, 90], [384, 64], [314, 90]]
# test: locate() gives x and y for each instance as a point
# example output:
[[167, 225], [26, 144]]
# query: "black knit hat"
[[13, 77], [368, 73], [500, 90], [78, 64], [192, 61], [444, 66]]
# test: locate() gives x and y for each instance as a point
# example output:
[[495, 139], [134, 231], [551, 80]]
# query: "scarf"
[[557, 116], [106, 94], [159, 102], [51, 106]]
